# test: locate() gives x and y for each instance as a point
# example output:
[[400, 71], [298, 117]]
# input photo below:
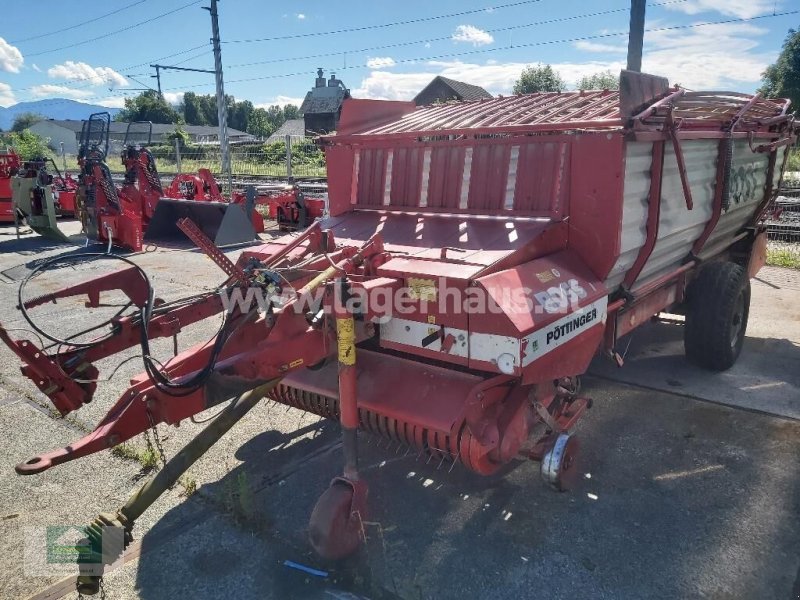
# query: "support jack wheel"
[[559, 466], [335, 529]]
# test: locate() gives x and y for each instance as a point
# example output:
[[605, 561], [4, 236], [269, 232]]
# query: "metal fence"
[[783, 228], [294, 156]]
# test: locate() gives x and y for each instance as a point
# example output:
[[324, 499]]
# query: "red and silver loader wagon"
[[477, 257]]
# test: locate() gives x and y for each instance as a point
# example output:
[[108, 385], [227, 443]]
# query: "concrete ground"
[[691, 483]]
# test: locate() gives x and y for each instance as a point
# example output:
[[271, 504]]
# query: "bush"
[[27, 144], [793, 163]]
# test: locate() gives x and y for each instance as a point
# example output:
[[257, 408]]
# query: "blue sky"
[[488, 44]]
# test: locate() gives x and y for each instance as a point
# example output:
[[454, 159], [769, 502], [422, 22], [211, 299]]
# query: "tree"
[[782, 79], [290, 111], [24, 120], [541, 78], [27, 144], [148, 106], [259, 124], [193, 111], [604, 80]]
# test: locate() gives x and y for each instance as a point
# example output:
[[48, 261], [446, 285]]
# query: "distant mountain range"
[[51, 108]]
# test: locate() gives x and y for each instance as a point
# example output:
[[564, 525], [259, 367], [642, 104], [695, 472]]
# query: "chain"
[[156, 438]]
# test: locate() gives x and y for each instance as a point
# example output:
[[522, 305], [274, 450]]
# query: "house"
[[442, 89], [322, 106], [295, 128], [68, 133]]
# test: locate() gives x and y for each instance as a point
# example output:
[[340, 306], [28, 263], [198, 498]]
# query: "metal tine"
[[430, 456], [441, 462], [453, 466]]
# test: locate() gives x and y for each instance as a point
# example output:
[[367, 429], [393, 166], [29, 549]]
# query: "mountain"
[[51, 108]]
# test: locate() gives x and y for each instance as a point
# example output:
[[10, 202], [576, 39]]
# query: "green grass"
[[147, 457], [783, 258], [793, 163]]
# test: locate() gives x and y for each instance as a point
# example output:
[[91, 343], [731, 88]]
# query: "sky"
[[100, 52]]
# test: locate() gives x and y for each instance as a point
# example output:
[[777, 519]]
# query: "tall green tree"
[[148, 106], [259, 124], [193, 110], [541, 78], [24, 120], [604, 80], [782, 79]]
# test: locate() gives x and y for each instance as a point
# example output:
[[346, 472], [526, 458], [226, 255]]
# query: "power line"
[[77, 25], [447, 37], [384, 25], [529, 45], [109, 34]]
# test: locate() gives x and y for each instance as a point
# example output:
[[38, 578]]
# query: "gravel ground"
[[682, 495]]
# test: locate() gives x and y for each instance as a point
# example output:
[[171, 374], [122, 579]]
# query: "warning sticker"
[[422, 289], [346, 341]]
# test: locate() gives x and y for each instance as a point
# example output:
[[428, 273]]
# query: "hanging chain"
[[162, 455]]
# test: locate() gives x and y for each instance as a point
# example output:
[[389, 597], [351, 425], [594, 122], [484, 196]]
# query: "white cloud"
[[600, 48], [173, 97], [427, 44], [280, 101], [496, 78], [687, 57], [61, 91], [36, 68], [743, 9], [300, 17], [379, 62], [80, 71], [10, 57], [6, 95], [112, 102], [472, 35]]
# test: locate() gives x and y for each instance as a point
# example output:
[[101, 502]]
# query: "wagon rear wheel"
[[716, 318]]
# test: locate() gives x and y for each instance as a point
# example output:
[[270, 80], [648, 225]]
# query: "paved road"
[[681, 497]]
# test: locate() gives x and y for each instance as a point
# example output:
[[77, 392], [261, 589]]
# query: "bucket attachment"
[[37, 204], [224, 223]]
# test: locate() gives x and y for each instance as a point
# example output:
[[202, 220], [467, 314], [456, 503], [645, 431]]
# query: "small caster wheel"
[[559, 465], [334, 530]]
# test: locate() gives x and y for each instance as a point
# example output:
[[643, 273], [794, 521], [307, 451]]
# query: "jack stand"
[[335, 527]]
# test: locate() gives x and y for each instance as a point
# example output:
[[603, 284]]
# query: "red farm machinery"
[[477, 257], [9, 166], [138, 211]]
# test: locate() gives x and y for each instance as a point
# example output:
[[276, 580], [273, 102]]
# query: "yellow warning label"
[[432, 319], [295, 363], [545, 276], [422, 289], [346, 339]]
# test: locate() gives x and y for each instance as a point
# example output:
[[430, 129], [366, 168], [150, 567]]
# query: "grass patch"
[[147, 457], [783, 258], [125, 451], [189, 485]]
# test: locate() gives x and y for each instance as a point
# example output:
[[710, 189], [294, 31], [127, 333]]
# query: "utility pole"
[[222, 111], [636, 36], [158, 78]]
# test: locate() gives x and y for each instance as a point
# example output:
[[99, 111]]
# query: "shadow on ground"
[[765, 378], [679, 499]]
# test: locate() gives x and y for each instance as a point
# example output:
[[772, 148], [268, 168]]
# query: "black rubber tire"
[[718, 302]]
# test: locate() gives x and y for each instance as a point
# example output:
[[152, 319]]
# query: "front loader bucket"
[[224, 223]]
